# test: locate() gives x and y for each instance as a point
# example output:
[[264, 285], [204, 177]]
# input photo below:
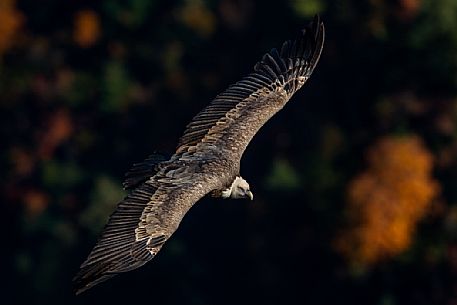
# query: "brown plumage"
[[207, 161]]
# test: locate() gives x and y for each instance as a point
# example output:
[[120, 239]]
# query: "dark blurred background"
[[355, 181]]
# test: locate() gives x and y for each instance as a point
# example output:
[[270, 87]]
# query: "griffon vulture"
[[206, 161]]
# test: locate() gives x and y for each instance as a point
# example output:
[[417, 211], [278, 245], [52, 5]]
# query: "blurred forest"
[[355, 181]]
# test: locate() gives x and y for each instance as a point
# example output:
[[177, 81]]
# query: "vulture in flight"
[[206, 161]]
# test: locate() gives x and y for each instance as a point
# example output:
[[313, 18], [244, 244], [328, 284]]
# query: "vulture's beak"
[[250, 195]]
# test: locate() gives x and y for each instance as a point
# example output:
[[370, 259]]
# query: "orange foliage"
[[198, 17], [23, 161], [11, 21], [409, 8], [35, 202], [59, 129], [86, 28], [388, 199]]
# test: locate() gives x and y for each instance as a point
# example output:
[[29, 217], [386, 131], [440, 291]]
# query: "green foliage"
[[105, 196], [308, 8], [283, 176], [116, 86], [61, 175], [131, 13]]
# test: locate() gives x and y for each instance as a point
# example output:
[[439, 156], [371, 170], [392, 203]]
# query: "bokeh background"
[[355, 181]]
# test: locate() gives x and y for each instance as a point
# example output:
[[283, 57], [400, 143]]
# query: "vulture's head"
[[238, 190]]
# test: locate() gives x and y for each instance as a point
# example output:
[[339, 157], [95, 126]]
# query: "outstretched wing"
[[142, 223], [142, 171], [117, 249], [150, 214], [235, 116]]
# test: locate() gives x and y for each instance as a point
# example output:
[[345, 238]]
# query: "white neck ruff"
[[227, 192]]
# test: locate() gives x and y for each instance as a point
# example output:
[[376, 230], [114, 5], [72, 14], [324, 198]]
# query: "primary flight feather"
[[206, 161]]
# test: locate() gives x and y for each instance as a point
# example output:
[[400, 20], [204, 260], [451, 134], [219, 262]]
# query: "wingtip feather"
[[90, 276], [290, 68]]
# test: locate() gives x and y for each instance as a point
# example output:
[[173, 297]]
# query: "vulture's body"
[[207, 161]]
